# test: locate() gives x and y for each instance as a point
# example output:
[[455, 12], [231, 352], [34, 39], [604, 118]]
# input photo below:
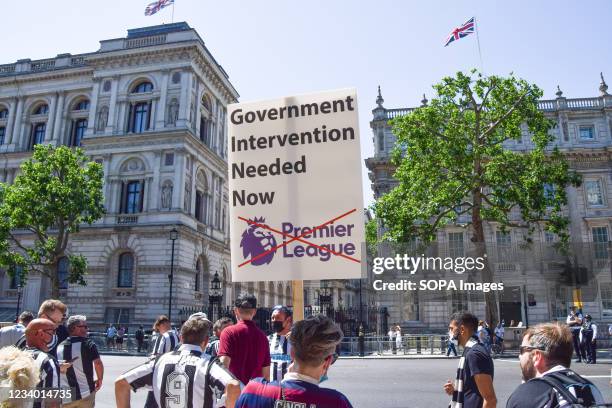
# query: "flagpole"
[[172, 12], [478, 42]]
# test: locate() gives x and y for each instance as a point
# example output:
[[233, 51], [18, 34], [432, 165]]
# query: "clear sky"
[[275, 48]]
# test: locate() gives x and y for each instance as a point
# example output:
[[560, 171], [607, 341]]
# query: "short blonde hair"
[[555, 340], [50, 305]]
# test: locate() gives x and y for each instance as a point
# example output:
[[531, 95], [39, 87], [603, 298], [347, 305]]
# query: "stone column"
[[193, 184], [57, 129], [147, 194], [184, 99], [160, 117], [93, 108], [178, 193], [20, 118], [155, 184], [51, 118], [108, 184], [8, 132], [112, 108]]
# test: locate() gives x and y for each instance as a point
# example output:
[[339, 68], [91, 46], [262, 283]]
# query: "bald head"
[[39, 333]]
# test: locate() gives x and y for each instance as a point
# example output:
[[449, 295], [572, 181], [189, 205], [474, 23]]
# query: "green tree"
[[58, 190], [451, 160]]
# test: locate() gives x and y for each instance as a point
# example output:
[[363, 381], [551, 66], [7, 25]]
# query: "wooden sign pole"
[[297, 288]]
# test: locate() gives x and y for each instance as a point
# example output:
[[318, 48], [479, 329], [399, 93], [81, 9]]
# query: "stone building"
[[151, 108], [534, 288]]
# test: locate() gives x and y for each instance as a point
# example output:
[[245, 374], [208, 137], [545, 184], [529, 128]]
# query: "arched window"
[[42, 109], [143, 87], [16, 278], [140, 117], [62, 272], [126, 271], [202, 198], [82, 105], [3, 114], [206, 122], [38, 133], [80, 126]]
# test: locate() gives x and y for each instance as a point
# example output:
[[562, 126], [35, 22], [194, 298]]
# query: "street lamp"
[[215, 296], [173, 238], [18, 301]]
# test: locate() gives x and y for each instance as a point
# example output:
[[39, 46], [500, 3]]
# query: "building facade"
[[534, 287], [151, 108]]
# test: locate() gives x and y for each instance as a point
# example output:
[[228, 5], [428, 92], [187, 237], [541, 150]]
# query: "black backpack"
[[563, 382]]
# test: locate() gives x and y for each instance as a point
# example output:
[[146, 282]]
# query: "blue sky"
[[276, 48]]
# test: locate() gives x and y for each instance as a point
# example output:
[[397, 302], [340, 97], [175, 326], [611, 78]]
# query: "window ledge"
[[123, 292]]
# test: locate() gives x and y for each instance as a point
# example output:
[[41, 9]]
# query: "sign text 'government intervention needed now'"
[[296, 203]]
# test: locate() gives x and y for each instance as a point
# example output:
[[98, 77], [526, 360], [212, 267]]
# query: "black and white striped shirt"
[[60, 335], [79, 377], [279, 356], [49, 371], [179, 379], [166, 342], [212, 348]]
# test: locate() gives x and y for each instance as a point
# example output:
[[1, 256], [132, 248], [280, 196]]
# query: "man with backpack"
[[545, 358]]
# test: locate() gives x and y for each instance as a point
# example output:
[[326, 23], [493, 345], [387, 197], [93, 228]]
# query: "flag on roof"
[[154, 7], [463, 30]]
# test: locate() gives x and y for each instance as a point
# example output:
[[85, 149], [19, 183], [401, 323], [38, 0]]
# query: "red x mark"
[[298, 238]]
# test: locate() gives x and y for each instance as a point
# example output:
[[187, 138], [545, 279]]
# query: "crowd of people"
[[239, 366]]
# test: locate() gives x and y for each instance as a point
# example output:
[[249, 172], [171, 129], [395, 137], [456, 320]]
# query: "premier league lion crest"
[[255, 241]]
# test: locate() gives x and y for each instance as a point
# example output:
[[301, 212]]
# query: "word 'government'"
[[285, 145], [292, 111]]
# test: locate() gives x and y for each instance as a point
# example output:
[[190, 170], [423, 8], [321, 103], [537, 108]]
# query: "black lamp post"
[[215, 296], [18, 302], [173, 238]]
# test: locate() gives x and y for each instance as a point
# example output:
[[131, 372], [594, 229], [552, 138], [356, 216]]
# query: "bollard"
[[418, 344], [361, 341]]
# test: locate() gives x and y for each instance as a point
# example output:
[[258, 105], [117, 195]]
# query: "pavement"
[[388, 382]]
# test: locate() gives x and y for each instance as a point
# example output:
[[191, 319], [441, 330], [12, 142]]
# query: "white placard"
[[295, 190]]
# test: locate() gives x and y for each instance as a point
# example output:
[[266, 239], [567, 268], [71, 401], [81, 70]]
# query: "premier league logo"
[[255, 241]]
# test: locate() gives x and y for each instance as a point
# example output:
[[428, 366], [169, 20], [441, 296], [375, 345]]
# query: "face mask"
[[451, 335], [53, 342], [324, 377], [277, 326]]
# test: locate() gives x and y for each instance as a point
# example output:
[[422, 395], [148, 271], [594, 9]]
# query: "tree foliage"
[[58, 190], [453, 158]]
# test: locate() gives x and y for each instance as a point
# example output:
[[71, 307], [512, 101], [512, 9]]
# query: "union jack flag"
[[156, 6], [464, 30]]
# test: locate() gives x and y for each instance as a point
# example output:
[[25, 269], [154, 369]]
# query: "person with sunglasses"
[[545, 357], [313, 344], [55, 311], [83, 353], [38, 335]]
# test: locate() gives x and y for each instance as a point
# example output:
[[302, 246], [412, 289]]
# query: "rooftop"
[[136, 38]]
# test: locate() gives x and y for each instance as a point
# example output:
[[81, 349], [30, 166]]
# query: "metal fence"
[[427, 344]]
